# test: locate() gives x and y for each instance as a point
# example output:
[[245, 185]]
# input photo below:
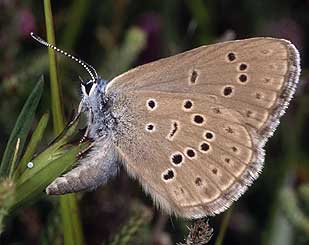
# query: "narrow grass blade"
[[57, 110], [224, 225], [30, 187], [72, 229], [79, 10], [48, 165], [135, 224], [293, 212], [21, 129], [125, 55], [33, 144], [70, 218]]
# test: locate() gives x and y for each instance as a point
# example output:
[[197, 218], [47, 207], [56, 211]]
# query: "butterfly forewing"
[[196, 123]]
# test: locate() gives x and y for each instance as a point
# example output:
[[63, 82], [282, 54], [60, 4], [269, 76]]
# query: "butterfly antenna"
[[93, 73]]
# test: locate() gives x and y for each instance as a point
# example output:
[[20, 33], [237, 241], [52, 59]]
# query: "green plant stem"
[[68, 204], [58, 120], [70, 220], [224, 225], [135, 224], [78, 13], [291, 208]]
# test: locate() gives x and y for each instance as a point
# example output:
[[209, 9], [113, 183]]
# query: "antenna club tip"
[[32, 35]]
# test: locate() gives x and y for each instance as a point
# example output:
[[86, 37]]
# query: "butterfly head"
[[93, 93], [88, 88], [93, 87], [95, 102]]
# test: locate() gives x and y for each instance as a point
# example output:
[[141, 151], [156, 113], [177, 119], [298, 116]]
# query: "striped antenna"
[[93, 73]]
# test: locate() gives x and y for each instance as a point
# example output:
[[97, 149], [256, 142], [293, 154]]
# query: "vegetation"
[[115, 36]]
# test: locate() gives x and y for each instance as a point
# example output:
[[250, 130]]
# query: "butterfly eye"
[[88, 88]]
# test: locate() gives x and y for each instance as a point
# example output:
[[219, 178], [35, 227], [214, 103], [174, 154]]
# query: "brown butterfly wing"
[[234, 91]]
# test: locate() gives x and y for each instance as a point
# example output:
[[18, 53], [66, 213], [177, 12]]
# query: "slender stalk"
[[68, 204], [78, 13], [224, 225], [57, 110]]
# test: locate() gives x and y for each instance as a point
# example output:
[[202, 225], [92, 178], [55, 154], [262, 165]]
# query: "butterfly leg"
[[80, 107], [85, 136], [94, 170], [90, 118]]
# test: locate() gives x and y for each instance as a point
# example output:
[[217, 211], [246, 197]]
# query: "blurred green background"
[[117, 35]]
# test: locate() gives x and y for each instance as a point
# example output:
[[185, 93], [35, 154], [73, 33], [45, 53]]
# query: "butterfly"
[[191, 127]]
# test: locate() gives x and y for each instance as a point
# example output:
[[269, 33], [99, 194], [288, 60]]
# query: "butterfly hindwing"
[[192, 127]]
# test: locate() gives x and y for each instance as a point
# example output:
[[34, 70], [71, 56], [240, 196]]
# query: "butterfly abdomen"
[[93, 170]]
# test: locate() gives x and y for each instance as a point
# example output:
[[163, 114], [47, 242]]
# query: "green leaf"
[[125, 55], [47, 166], [21, 129], [34, 142], [36, 179], [70, 218]]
